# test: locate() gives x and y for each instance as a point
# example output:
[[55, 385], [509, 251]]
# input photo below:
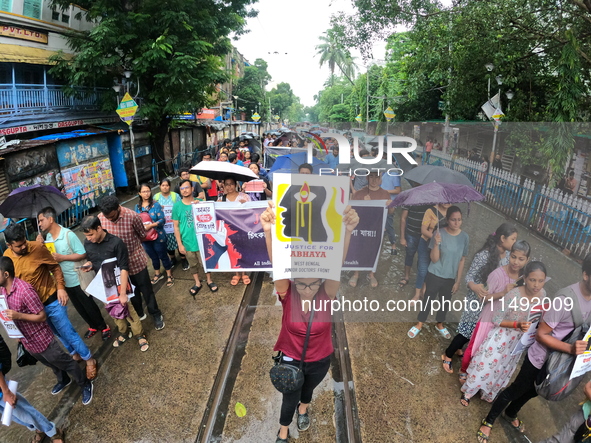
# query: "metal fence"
[[25, 98], [561, 218], [174, 164]]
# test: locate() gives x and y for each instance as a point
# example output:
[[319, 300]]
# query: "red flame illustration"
[[305, 192]]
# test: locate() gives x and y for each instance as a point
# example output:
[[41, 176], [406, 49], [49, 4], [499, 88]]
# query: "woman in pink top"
[[294, 295], [499, 283]]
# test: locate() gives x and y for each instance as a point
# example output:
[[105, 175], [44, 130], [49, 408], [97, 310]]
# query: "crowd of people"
[[504, 285]]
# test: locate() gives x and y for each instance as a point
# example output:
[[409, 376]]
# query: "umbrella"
[[222, 170], [27, 201], [290, 163], [428, 174], [434, 193]]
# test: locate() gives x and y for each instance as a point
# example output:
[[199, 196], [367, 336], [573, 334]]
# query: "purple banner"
[[366, 239]]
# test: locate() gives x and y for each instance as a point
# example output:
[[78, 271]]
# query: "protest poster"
[[308, 236], [50, 246], [168, 225], [10, 327], [528, 339], [583, 362], [254, 186], [204, 217], [366, 239], [239, 240], [105, 286]]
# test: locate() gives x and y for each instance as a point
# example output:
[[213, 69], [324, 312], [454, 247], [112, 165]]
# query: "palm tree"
[[332, 51]]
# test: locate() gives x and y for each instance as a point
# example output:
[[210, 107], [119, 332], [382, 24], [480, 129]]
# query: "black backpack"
[[5, 356], [553, 382]]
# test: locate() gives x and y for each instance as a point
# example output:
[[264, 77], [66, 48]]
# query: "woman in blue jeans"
[[156, 249]]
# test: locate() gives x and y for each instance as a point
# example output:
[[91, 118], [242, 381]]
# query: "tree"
[[173, 47], [251, 89], [333, 53], [282, 98]]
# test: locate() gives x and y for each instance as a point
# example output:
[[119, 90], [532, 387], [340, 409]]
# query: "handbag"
[[83, 277], [151, 235], [288, 378], [23, 358]]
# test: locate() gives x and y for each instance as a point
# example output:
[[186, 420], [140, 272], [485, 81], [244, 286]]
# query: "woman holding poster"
[[493, 364], [299, 298], [231, 194], [156, 249], [167, 199]]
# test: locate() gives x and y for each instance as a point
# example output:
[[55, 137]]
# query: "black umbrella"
[[27, 201], [223, 170], [440, 174]]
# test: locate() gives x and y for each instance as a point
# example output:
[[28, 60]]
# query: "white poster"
[[11, 328], [309, 232], [583, 361], [107, 282], [168, 226], [204, 218], [529, 337]]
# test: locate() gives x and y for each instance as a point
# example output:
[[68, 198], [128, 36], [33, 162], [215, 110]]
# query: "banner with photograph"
[[239, 241], [309, 230], [106, 284], [366, 239]]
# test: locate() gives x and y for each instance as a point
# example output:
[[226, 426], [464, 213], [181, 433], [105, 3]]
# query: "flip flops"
[[446, 365], [413, 332], [444, 333]]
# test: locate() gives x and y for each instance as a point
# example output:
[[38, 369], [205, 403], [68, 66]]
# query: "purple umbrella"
[[434, 193], [27, 201]]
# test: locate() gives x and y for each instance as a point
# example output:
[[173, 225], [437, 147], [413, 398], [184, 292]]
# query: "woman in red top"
[[294, 323]]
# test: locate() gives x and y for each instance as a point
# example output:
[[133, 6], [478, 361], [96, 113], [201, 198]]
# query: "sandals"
[[482, 437], [157, 278], [59, 435], [169, 281], [463, 377], [195, 290], [446, 365], [119, 341], [235, 280], [464, 401], [143, 342], [413, 332], [91, 370], [444, 333], [520, 427], [403, 282], [373, 282], [353, 281], [246, 279], [213, 287]]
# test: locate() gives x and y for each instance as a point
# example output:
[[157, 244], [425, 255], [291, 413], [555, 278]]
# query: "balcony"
[[27, 99]]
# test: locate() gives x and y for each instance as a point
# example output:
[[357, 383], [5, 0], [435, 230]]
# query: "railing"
[[176, 163], [561, 218], [81, 206], [26, 99]]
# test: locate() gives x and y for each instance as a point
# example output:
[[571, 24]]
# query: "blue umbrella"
[[290, 163], [27, 201]]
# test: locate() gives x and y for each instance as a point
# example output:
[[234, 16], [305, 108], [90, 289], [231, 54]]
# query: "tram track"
[[218, 405]]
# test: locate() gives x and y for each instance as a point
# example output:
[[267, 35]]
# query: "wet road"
[[401, 390]]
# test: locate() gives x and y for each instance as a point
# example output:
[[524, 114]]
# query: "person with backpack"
[[153, 217], [69, 252], [167, 199], [24, 413], [553, 331]]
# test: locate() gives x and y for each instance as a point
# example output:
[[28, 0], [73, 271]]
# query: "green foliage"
[[333, 52], [282, 97], [251, 89], [173, 47]]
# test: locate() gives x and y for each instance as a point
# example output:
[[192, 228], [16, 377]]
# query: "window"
[[55, 15], [65, 18], [6, 5], [32, 8]]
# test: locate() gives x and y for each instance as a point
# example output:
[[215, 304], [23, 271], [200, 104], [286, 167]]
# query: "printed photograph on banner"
[[106, 284], [239, 241], [204, 217], [366, 239], [309, 231], [9, 326]]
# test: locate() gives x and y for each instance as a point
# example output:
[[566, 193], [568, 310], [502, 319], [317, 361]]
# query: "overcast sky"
[[291, 28]]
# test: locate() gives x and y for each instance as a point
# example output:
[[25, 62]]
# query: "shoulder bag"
[[289, 378], [151, 235], [83, 277]]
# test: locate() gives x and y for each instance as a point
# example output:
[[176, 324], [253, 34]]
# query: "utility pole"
[[367, 102]]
